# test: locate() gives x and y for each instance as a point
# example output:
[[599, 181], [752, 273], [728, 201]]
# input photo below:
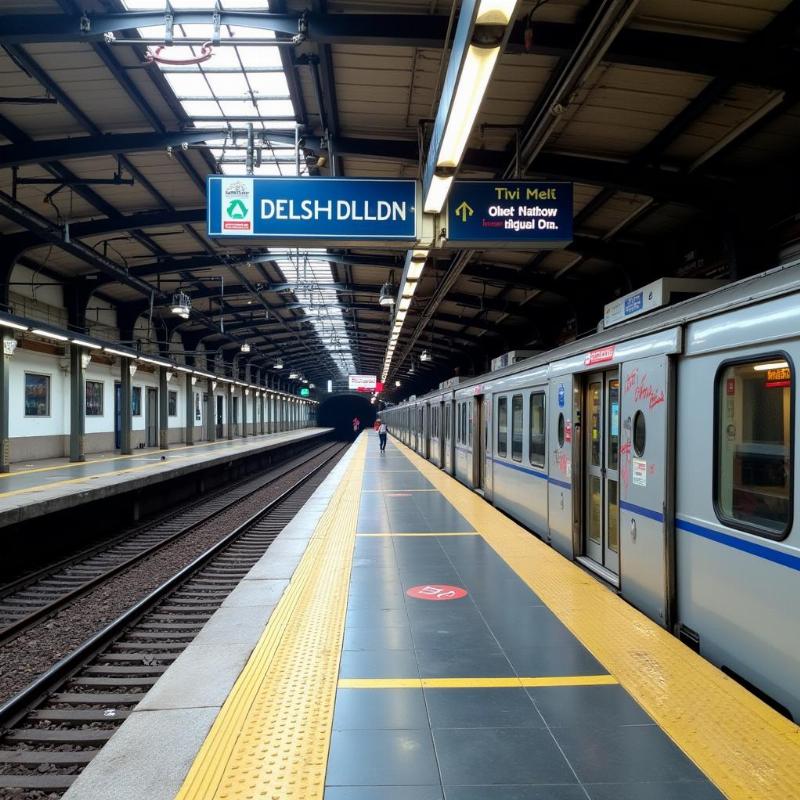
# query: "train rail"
[[54, 728], [38, 595]]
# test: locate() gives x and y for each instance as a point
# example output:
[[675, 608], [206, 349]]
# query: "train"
[[659, 454]]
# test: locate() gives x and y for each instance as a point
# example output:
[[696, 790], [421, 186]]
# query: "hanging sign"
[[346, 209], [362, 383], [510, 214]]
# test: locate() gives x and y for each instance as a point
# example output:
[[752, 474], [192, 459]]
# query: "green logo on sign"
[[237, 209]]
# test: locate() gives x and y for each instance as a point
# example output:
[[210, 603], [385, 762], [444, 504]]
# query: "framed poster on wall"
[[136, 401], [37, 395], [94, 399]]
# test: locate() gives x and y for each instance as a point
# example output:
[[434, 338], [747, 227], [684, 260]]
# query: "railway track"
[[52, 730], [41, 594]]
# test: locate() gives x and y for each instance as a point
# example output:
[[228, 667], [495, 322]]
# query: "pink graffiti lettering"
[[651, 394], [630, 381]]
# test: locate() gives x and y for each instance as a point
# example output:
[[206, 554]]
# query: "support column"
[[126, 410], [211, 412], [261, 401], [244, 412], [189, 437], [229, 409], [5, 442], [163, 409], [77, 406]]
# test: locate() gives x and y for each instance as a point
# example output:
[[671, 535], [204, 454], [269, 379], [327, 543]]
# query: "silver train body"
[[660, 454]]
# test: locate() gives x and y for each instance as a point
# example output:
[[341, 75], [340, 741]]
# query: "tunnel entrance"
[[337, 412]]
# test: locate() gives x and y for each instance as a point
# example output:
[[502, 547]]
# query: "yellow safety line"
[[271, 737], [467, 533], [396, 491], [87, 478], [150, 452], [748, 750], [475, 683]]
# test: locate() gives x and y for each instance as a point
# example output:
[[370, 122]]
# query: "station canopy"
[[676, 122]]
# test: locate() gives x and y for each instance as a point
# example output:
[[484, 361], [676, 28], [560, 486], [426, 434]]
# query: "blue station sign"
[[510, 214], [341, 209]]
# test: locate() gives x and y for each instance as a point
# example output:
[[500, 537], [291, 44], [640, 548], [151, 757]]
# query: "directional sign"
[[510, 214], [341, 209]]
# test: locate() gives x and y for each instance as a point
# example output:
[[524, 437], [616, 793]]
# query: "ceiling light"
[[245, 347], [771, 365], [184, 369], [181, 305], [419, 255], [408, 288], [114, 352], [397, 383], [437, 193], [414, 270], [495, 12], [7, 323], [279, 364], [292, 376], [386, 297], [425, 355], [155, 361], [47, 335], [84, 343], [405, 302]]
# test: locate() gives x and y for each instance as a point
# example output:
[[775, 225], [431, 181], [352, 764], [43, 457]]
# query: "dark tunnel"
[[338, 412]]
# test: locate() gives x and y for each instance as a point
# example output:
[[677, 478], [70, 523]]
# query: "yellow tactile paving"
[[475, 683], [271, 737], [395, 535], [749, 751]]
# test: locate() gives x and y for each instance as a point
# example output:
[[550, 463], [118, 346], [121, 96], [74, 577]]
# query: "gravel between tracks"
[[35, 650]]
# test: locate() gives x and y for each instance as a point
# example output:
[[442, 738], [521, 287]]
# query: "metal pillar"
[[5, 443], [77, 408], [244, 413], [189, 410], [126, 410], [163, 409], [229, 409], [211, 413], [261, 402]]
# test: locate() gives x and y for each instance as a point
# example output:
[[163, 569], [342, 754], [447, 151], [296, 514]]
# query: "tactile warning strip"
[[270, 740], [749, 751]]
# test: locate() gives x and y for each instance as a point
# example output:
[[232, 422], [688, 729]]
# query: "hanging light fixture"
[[425, 355], [292, 376], [279, 364], [181, 305], [245, 347]]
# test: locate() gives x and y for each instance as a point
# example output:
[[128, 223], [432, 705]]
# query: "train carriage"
[[660, 455]]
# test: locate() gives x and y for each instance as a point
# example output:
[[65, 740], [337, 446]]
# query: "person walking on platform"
[[382, 431], [356, 426]]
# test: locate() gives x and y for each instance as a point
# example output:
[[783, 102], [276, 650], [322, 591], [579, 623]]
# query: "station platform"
[[35, 489], [403, 640]]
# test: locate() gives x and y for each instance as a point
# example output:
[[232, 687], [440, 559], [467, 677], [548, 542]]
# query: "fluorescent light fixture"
[[292, 376], [47, 335], [279, 364], [184, 369], [7, 323], [771, 365], [495, 12], [405, 302], [397, 383], [408, 289], [118, 352], [181, 305], [438, 190], [245, 347], [419, 255], [84, 343], [155, 361], [475, 74], [401, 314], [414, 270]]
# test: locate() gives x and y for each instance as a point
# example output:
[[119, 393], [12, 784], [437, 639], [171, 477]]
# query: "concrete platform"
[[403, 640], [36, 489]]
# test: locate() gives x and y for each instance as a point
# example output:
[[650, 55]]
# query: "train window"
[[536, 446], [469, 424], [463, 423], [502, 426], [561, 430], [639, 433], [755, 420], [516, 427]]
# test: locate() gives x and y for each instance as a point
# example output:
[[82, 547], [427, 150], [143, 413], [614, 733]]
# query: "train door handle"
[[633, 530]]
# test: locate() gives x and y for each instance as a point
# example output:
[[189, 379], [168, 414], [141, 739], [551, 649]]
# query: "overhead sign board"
[[312, 209], [509, 214], [362, 383]]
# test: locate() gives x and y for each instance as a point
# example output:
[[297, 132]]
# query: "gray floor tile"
[[588, 706], [439, 637], [481, 708], [376, 616], [680, 790], [383, 793], [550, 792], [463, 664], [378, 664], [625, 755], [397, 638], [570, 659], [380, 708], [486, 756], [363, 601], [381, 758]]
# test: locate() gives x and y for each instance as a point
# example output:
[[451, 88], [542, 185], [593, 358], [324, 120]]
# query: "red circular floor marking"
[[437, 591]]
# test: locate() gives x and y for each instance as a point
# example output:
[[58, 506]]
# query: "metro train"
[[660, 455]]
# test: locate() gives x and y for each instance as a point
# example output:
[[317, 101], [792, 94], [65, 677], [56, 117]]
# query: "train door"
[[563, 507], [428, 425], [151, 417], [479, 443], [601, 471], [447, 461], [646, 481]]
